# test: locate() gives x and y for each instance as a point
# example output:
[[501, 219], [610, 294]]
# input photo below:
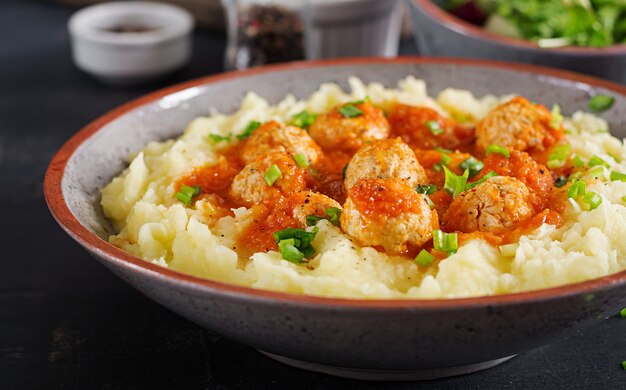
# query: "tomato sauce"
[[378, 198]]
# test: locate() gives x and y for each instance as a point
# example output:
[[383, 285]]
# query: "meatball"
[[423, 127], [276, 137], [249, 186], [517, 124], [311, 203], [385, 159], [388, 213], [349, 132], [495, 206]]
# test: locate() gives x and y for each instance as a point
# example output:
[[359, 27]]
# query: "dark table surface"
[[66, 322]]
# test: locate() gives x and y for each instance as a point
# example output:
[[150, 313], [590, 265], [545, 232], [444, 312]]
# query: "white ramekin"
[[130, 57]]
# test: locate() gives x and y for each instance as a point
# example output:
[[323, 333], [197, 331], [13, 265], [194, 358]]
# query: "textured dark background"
[[66, 322]]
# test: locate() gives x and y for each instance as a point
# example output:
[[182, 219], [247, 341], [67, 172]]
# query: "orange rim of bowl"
[[465, 28], [61, 212]]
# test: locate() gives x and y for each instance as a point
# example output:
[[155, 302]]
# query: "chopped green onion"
[[445, 160], [247, 132], [560, 181], [578, 162], [343, 171], [624, 364], [186, 194], [272, 175], [595, 160], [509, 250], [576, 189], [303, 119], [559, 156], [427, 189], [445, 242], [480, 181], [622, 313], [290, 252], [301, 160], [591, 201], [473, 165], [424, 258], [312, 220], [335, 214], [615, 176], [295, 243], [557, 118], [434, 127], [215, 138], [455, 184], [498, 149], [597, 171], [350, 111], [443, 150], [601, 102]]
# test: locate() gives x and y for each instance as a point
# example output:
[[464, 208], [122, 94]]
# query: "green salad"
[[549, 23]]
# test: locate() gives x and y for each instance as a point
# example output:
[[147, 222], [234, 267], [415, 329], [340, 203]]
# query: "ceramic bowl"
[[130, 42], [368, 339], [439, 33]]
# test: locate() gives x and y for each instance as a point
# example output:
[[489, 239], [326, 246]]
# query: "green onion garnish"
[[424, 258], [303, 119], [186, 194], [601, 102], [455, 184], [343, 171], [215, 138], [578, 162], [272, 175], [434, 127], [560, 181], [557, 119], [301, 160], [334, 214], [576, 189], [445, 160], [624, 364], [615, 176], [429, 201], [480, 181], [473, 165], [498, 149], [443, 150], [350, 111], [295, 243], [445, 242], [509, 250], [595, 160], [622, 313], [591, 201], [559, 156], [426, 189], [247, 132]]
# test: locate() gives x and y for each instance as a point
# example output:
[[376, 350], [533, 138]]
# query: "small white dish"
[[130, 42]]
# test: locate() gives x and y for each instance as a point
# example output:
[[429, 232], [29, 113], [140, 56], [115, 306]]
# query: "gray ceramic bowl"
[[438, 33], [384, 339]]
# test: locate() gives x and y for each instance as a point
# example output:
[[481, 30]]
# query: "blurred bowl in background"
[[439, 33], [130, 42]]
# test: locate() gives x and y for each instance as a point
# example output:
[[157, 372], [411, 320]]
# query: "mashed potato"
[[154, 226]]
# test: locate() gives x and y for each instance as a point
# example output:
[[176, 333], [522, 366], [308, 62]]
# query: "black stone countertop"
[[66, 322]]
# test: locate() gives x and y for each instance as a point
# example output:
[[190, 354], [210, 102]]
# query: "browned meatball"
[[495, 206], [336, 131], [276, 137], [517, 124], [388, 213], [250, 187], [385, 159]]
